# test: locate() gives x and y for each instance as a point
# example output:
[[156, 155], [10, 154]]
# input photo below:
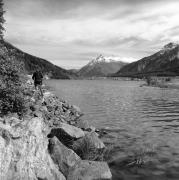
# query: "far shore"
[[172, 83]]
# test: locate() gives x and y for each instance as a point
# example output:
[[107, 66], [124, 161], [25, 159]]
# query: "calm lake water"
[[142, 124]]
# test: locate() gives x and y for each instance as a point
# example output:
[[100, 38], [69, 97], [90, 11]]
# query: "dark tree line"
[[1, 19]]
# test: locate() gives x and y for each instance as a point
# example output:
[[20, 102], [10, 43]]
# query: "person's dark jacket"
[[37, 77]]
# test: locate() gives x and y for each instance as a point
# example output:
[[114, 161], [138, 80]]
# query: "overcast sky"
[[70, 33]]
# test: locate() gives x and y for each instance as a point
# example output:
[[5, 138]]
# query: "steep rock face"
[[73, 167], [67, 131], [64, 157], [100, 67], [23, 152], [164, 62], [67, 134], [31, 62]]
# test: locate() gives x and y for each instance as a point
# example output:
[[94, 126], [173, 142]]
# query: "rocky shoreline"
[[50, 142]]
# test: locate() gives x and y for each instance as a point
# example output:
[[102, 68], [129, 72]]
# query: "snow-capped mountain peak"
[[103, 59], [101, 66], [168, 47]]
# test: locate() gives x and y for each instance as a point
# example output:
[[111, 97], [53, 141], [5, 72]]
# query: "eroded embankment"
[[50, 142]]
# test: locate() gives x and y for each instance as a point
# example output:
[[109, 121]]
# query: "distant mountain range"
[[31, 63], [100, 67], [163, 63]]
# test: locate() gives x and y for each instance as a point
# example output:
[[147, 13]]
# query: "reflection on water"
[[142, 125]]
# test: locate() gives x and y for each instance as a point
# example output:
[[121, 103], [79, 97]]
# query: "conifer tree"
[[1, 19]]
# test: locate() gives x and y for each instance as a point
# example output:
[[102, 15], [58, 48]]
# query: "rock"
[[35, 107], [72, 131], [76, 112], [23, 152], [62, 136], [57, 112], [62, 156], [67, 134], [83, 124], [77, 109], [29, 82], [2, 120], [12, 120], [65, 105], [97, 142], [90, 147], [90, 170], [47, 94], [38, 114], [56, 121], [87, 133], [62, 109], [50, 108], [32, 99], [101, 132], [43, 108], [90, 138], [91, 129]]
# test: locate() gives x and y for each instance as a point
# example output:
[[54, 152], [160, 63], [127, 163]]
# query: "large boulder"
[[83, 124], [90, 147], [24, 152], [91, 138], [66, 133], [90, 170], [62, 156], [72, 130]]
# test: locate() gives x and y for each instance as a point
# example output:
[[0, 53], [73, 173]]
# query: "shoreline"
[[165, 86], [53, 142]]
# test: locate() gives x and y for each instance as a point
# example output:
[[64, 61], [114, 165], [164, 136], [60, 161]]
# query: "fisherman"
[[38, 77]]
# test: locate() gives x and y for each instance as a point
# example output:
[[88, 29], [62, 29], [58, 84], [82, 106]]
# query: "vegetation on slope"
[[12, 92], [100, 67], [162, 63], [31, 63]]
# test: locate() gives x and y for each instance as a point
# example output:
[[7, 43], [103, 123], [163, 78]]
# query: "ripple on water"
[[143, 125]]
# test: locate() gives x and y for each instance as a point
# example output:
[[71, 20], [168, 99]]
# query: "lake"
[[142, 124]]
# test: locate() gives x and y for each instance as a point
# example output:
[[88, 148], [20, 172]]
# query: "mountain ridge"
[[100, 67], [31, 63], [162, 63]]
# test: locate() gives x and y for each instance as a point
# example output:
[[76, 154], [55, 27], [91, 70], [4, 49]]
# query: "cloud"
[[61, 9], [78, 30]]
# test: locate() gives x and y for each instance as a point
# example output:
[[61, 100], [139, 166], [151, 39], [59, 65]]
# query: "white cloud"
[[134, 34]]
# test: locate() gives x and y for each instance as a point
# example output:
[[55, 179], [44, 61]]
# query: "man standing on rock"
[[38, 77]]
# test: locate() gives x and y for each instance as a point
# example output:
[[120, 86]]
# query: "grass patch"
[[86, 149]]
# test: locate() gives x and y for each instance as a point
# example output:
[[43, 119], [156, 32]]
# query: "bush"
[[11, 90], [149, 80]]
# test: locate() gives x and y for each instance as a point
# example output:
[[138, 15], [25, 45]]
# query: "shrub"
[[168, 79], [11, 90], [149, 80]]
